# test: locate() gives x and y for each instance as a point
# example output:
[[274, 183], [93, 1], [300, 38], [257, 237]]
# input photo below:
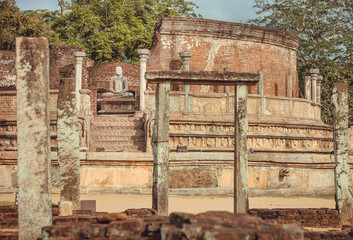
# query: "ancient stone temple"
[[290, 149]]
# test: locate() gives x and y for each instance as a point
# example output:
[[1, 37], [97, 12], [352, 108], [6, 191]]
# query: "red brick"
[[239, 47]]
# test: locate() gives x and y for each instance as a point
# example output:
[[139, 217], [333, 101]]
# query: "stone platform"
[[116, 105]]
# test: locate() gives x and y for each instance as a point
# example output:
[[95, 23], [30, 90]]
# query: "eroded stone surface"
[[32, 61], [68, 143], [343, 182]]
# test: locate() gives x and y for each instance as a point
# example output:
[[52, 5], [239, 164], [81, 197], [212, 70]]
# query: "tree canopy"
[[325, 28], [14, 23], [109, 30], [112, 30]]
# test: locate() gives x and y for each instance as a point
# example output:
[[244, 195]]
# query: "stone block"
[[132, 227], [65, 208], [88, 205], [192, 178]]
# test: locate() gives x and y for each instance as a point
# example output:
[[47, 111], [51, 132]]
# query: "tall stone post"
[[260, 91], [241, 201], [307, 87], [289, 86], [227, 88], [143, 53], [160, 143], [33, 136], [343, 183], [185, 57], [68, 143], [85, 117], [318, 88], [78, 77], [314, 74]]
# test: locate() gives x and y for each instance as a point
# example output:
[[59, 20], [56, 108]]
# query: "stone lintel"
[[143, 52], [185, 54], [314, 71], [203, 77], [79, 54]]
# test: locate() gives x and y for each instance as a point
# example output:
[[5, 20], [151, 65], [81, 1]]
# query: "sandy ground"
[[192, 204]]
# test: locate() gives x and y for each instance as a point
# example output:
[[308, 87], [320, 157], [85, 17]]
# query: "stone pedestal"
[[116, 104], [33, 136]]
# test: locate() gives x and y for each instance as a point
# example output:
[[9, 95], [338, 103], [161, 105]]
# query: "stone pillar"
[[78, 77], [33, 136], [160, 143], [260, 91], [289, 86], [307, 87], [85, 98], [343, 183], [68, 143], [85, 116], [185, 57], [241, 202], [314, 74], [143, 53], [227, 88], [318, 88]]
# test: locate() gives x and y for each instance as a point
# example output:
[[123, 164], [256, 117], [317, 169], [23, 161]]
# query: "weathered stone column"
[[185, 57], [68, 143], [307, 87], [85, 116], [160, 143], [289, 85], [318, 88], [241, 201], [143, 53], [227, 88], [260, 91], [33, 136], [343, 184], [78, 77], [314, 74]]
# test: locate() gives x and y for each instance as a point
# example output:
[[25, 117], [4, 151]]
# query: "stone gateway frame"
[[160, 139]]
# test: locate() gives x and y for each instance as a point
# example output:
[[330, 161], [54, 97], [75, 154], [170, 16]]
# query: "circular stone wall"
[[217, 45]]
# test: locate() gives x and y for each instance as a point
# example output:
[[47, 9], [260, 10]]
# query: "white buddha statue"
[[118, 85]]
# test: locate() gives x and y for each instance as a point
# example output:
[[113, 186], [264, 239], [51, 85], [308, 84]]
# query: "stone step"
[[115, 138], [9, 223], [101, 146], [126, 126], [118, 118]]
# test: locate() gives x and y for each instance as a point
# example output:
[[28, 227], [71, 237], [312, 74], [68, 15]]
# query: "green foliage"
[[325, 28], [113, 30], [14, 23]]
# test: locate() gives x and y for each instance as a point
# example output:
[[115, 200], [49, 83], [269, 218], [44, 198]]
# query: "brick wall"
[[64, 56], [7, 70], [216, 45], [99, 75], [305, 217]]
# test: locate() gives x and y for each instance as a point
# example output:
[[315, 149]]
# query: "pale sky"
[[223, 10]]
